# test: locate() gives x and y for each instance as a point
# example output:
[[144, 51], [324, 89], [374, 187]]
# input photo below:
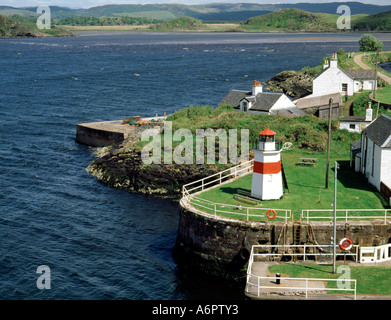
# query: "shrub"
[[370, 43]]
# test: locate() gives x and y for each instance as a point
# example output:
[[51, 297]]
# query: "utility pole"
[[335, 218], [328, 143], [377, 61]]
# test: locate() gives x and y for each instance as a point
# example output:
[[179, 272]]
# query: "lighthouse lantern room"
[[267, 178]]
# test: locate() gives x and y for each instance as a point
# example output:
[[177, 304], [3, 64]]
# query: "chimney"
[[368, 113], [257, 88], [326, 64], [334, 61]]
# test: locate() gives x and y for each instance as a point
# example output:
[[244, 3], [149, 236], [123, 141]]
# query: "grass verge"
[[371, 280]]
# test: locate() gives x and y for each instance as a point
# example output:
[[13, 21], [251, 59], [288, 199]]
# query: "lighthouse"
[[267, 178]]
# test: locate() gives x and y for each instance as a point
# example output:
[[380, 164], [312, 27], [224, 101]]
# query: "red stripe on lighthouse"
[[267, 168]]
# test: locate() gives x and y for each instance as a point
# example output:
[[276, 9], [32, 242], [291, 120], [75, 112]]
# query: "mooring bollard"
[[278, 278]]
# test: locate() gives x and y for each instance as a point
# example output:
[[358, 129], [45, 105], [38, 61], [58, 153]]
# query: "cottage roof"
[[354, 119], [290, 112], [361, 74], [318, 100], [355, 74], [379, 131], [234, 97], [263, 101]]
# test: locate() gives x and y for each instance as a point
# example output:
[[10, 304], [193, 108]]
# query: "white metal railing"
[[217, 178], [325, 250], [305, 281], [375, 254], [346, 214], [237, 211], [262, 288]]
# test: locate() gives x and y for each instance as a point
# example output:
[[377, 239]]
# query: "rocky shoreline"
[[122, 168]]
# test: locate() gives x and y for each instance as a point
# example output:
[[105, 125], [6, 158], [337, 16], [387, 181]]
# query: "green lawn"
[[306, 188], [370, 280], [384, 95]]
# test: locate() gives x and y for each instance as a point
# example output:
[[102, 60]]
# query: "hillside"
[[377, 22], [24, 28], [205, 12], [288, 20], [295, 20], [10, 28]]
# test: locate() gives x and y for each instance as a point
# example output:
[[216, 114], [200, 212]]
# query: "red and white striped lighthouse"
[[267, 178]]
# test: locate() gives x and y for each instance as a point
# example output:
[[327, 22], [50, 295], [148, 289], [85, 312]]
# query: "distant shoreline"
[[211, 28]]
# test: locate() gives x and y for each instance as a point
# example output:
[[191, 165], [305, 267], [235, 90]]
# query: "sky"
[[94, 3]]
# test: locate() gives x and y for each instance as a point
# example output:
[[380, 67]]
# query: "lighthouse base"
[[263, 198], [267, 187]]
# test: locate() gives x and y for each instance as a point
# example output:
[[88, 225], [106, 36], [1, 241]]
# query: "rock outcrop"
[[292, 83], [124, 169]]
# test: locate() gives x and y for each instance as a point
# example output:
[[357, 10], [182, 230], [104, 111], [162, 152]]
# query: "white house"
[[356, 123], [374, 158], [257, 101], [335, 79]]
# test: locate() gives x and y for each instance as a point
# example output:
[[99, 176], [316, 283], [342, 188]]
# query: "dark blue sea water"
[[99, 242], [386, 66]]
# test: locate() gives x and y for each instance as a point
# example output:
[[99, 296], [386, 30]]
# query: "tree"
[[370, 43]]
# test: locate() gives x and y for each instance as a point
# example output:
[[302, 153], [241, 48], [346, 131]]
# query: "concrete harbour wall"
[[221, 246]]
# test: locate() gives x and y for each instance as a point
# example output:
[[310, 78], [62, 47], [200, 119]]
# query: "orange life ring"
[[274, 214], [346, 244]]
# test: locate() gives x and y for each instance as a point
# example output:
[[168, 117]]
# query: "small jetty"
[[104, 133]]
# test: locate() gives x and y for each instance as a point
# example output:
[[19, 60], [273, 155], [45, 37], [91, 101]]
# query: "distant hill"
[[331, 7], [291, 20], [377, 22], [294, 20], [205, 12]]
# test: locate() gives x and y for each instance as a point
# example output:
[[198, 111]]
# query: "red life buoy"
[[274, 214], [346, 244]]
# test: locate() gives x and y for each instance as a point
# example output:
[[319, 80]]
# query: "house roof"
[[234, 97], [290, 112], [265, 101], [261, 102], [354, 119], [361, 74], [379, 131], [355, 74]]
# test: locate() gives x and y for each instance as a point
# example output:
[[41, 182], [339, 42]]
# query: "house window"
[[352, 126], [344, 87]]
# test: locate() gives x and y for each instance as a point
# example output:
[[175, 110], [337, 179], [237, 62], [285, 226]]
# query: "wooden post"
[[328, 143]]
